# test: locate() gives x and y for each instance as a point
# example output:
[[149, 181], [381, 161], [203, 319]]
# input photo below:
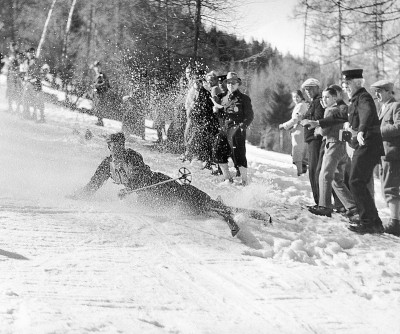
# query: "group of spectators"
[[341, 139], [213, 121], [24, 83]]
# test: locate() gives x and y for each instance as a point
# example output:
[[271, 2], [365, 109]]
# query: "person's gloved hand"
[[242, 126], [309, 124], [360, 138], [318, 131]]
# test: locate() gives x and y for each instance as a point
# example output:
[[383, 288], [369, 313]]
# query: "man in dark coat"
[[237, 114], [126, 167], [314, 142], [368, 149], [389, 116], [100, 88]]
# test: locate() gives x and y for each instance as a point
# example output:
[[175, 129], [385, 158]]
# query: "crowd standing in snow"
[[339, 143], [24, 83], [359, 125]]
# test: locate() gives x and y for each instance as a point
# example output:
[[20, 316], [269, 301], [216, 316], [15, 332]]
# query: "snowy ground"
[[106, 266]]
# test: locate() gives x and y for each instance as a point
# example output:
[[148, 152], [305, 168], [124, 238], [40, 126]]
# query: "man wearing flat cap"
[[368, 149], [314, 142], [389, 116], [237, 114]]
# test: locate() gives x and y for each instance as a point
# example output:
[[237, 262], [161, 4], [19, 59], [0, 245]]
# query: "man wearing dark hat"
[[389, 116], [368, 148], [314, 142], [126, 167], [237, 114]]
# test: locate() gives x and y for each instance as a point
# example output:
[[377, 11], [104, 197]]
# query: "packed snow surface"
[[108, 266]]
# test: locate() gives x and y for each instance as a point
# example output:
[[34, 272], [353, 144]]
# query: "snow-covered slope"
[[107, 266]]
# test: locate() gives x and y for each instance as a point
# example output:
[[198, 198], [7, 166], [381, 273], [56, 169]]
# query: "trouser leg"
[[314, 148]]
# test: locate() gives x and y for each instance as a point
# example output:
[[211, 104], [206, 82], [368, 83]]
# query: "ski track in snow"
[[104, 265]]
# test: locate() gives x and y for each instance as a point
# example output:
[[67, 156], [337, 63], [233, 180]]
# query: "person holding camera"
[[337, 117], [236, 113], [314, 142], [333, 162], [389, 116], [368, 148]]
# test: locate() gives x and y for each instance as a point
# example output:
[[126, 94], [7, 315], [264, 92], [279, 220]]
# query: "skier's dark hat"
[[118, 137]]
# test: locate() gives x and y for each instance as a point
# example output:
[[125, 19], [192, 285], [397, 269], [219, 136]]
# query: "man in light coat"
[[389, 116]]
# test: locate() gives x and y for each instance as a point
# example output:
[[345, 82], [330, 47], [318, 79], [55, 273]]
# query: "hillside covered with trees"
[[146, 44]]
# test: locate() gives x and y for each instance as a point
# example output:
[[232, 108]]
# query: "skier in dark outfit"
[[126, 167]]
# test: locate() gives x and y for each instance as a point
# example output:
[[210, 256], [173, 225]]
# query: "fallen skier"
[[154, 190]]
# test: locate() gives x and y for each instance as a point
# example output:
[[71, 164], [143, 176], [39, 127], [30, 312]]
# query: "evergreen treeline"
[[146, 44]]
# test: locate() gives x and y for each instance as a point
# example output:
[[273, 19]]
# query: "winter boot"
[[394, 207], [243, 173], [393, 227], [225, 172], [368, 226], [321, 211]]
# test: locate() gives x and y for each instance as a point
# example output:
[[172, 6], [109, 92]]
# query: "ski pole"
[[184, 175]]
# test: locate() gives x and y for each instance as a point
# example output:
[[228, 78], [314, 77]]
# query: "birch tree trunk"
[[45, 29], [67, 29]]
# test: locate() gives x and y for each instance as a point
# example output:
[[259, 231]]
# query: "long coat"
[[363, 117], [297, 131], [390, 130]]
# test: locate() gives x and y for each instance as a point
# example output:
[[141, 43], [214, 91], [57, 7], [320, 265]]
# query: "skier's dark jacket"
[[133, 173]]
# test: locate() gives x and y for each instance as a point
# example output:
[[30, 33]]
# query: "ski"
[[227, 215], [254, 213]]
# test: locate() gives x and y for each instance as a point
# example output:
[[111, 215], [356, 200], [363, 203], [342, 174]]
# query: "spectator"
[[201, 126], [33, 87], [176, 130], [338, 116], [368, 148], [237, 113], [333, 163], [389, 116], [14, 83], [211, 81], [100, 88], [299, 150], [133, 107], [314, 142]]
